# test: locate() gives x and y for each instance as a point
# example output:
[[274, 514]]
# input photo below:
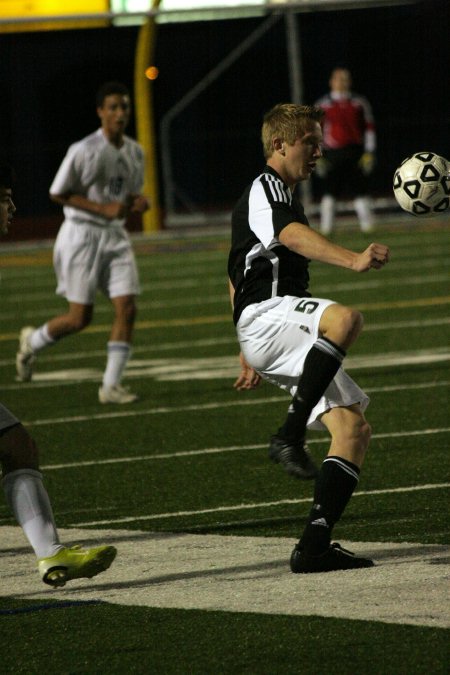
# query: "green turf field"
[[190, 458]]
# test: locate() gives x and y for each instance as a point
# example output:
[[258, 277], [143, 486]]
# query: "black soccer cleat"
[[295, 458], [334, 558]]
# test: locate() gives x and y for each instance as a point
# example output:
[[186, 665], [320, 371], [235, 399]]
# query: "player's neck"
[[115, 139], [340, 95]]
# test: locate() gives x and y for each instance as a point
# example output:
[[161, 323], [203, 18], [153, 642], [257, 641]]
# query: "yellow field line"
[[42, 258], [224, 318], [417, 302]]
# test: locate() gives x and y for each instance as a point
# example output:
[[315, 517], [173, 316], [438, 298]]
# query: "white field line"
[[410, 386], [223, 367], [52, 356], [142, 413], [227, 368], [235, 573], [255, 505], [172, 370], [165, 410], [219, 451], [219, 280]]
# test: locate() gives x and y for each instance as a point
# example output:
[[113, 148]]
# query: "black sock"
[[334, 486], [321, 364]]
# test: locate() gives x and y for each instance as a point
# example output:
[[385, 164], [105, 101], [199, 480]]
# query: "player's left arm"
[[136, 201], [311, 244]]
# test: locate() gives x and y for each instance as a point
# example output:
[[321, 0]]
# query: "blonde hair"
[[287, 121]]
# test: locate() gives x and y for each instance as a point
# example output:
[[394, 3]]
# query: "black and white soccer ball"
[[422, 184]]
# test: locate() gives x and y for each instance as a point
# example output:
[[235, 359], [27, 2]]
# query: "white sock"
[[118, 355], [327, 211], [41, 338], [364, 212], [29, 501]]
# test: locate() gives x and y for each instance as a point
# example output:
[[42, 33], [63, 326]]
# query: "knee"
[[359, 443], [131, 313], [352, 323], [341, 325], [364, 433], [18, 450], [77, 322], [354, 433]]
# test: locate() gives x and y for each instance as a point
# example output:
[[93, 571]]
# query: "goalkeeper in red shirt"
[[348, 151]]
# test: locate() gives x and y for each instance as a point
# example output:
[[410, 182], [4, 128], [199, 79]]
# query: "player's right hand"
[[374, 257], [112, 210]]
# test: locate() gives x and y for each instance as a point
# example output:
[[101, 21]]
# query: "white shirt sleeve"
[[67, 178]]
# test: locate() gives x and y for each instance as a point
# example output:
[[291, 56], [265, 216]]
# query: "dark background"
[[399, 58]]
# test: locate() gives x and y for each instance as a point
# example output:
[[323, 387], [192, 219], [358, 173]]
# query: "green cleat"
[[75, 563]]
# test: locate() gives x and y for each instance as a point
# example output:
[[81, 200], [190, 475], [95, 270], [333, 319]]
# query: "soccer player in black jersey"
[[296, 341]]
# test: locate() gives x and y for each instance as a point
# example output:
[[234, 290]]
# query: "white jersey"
[[101, 172]]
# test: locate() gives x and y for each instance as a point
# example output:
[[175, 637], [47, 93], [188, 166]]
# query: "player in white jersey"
[[98, 184], [22, 480]]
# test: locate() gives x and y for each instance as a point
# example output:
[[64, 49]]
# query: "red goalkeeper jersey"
[[348, 121]]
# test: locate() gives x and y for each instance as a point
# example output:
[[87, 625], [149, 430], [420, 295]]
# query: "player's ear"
[[278, 145]]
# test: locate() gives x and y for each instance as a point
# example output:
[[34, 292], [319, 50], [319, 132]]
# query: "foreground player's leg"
[[30, 504], [337, 479], [75, 563]]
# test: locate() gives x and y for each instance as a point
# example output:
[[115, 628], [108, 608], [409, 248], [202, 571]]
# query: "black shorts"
[[345, 178]]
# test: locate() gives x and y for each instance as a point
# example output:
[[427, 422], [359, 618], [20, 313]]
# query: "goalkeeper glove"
[[366, 163], [322, 167]]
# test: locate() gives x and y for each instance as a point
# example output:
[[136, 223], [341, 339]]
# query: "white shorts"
[[87, 258], [275, 337], [7, 419]]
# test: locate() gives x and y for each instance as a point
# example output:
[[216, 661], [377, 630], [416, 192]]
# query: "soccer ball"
[[422, 184]]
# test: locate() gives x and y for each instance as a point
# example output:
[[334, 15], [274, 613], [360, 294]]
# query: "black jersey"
[[259, 266]]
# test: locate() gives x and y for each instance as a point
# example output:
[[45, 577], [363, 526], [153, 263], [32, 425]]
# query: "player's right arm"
[[109, 210], [248, 378], [77, 170]]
